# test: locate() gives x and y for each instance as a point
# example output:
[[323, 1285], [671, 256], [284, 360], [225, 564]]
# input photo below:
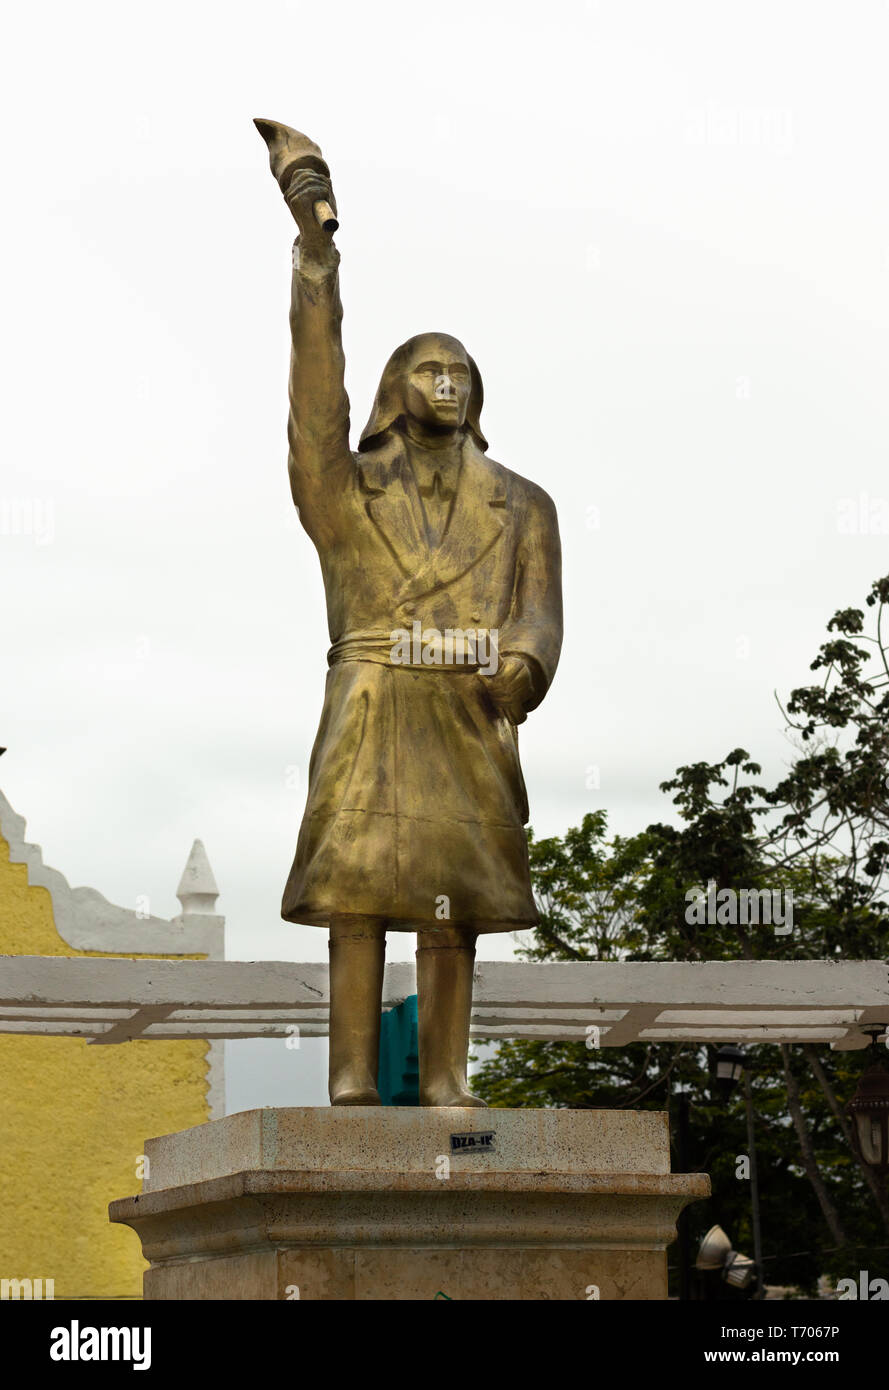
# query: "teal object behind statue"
[[399, 1071]]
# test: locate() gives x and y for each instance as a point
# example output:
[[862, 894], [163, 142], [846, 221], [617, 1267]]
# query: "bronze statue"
[[442, 573]]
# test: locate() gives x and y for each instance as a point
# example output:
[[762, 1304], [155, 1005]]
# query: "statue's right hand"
[[306, 188]]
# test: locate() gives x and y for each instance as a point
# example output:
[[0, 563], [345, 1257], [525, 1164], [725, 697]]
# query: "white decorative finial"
[[197, 889]]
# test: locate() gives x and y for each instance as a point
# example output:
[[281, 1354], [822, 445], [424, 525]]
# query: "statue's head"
[[432, 380]]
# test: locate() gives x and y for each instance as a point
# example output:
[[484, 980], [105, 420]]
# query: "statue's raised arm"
[[318, 427]]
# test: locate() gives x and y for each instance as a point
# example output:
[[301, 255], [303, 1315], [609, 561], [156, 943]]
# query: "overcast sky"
[[661, 229]]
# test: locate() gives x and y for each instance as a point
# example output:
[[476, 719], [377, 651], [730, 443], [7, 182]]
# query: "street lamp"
[[730, 1063], [868, 1113], [731, 1066], [716, 1253]]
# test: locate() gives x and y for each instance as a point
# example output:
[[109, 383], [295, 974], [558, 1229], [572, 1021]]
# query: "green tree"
[[823, 832]]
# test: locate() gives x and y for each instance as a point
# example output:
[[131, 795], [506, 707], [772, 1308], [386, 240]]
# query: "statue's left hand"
[[511, 687]]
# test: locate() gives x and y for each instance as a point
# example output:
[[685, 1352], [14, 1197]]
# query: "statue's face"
[[438, 384]]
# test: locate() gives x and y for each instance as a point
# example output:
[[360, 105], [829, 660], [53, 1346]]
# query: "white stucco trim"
[[87, 921]]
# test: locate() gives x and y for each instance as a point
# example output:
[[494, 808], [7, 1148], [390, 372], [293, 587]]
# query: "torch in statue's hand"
[[304, 178]]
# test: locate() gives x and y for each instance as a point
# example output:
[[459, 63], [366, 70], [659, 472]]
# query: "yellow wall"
[[73, 1121]]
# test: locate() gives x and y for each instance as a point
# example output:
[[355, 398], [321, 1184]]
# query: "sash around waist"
[[469, 649]]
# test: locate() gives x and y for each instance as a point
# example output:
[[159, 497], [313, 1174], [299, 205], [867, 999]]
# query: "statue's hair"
[[388, 407]]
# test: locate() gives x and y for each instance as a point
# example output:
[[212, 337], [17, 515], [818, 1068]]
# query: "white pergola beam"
[[611, 1004]]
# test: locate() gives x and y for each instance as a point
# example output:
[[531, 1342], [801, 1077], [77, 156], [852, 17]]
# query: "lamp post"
[[868, 1112], [682, 1229], [731, 1066]]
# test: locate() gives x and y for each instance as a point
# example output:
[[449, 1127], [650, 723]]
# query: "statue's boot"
[[444, 985], [357, 959]]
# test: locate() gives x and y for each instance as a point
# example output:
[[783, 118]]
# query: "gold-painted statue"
[[442, 573]]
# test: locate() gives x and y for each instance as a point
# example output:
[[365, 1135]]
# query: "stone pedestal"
[[407, 1203]]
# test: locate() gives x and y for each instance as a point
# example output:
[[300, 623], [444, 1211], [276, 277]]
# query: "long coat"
[[416, 803]]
